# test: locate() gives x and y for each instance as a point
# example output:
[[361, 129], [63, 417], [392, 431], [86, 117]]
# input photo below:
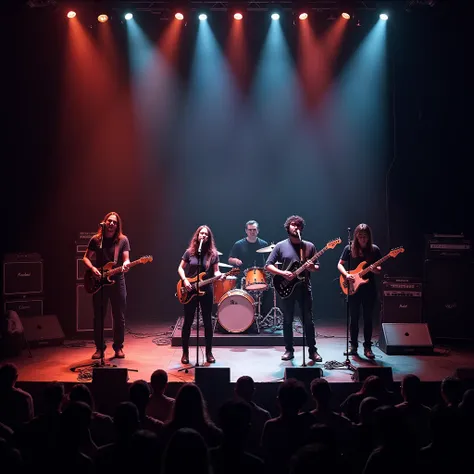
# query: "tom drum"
[[221, 287], [255, 279]]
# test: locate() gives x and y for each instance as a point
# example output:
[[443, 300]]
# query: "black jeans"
[[205, 301], [364, 299], [302, 295], [117, 295]]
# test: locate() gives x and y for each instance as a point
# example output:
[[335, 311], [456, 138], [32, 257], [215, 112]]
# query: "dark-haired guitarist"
[[287, 252]]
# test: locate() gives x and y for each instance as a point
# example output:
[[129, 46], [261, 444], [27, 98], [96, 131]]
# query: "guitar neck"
[[210, 280], [117, 270], [312, 260], [375, 264]]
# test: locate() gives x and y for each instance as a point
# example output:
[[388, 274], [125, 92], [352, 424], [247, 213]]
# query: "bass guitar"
[[285, 287], [184, 296], [362, 269], [93, 283]]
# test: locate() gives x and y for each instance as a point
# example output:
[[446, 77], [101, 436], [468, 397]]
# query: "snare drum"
[[255, 279], [221, 287], [235, 311]]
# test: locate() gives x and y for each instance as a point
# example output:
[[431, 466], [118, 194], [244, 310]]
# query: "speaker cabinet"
[[405, 338], [85, 312], [402, 308], [447, 304], [26, 306], [109, 387], [303, 374], [385, 373], [214, 383], [42, 330], [22, 278]]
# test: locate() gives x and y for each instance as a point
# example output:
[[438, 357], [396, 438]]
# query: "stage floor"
[[148, 347]]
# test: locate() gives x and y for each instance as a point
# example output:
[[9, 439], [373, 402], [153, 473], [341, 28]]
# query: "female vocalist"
[[188, 268], [363, 249]]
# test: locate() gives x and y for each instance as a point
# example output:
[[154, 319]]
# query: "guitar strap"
[[116, 251]]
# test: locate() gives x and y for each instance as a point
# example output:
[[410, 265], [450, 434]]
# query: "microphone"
[[102, 224], [299, 235], [200, 245]]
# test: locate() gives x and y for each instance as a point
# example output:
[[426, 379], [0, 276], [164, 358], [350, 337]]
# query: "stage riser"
[[240, 340]]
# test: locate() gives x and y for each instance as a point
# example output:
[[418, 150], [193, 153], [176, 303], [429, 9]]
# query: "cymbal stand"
[[275, 315]]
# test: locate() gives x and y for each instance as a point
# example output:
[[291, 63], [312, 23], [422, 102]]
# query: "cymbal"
[[225, 265], [219, 253], [266, 249]]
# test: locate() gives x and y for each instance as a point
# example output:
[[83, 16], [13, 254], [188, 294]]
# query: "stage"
[[149, 347]]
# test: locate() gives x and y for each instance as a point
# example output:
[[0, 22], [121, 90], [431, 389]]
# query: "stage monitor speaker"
[[447, 302], [303, 374], [384, 373], [109, 376], [215, 386], [85, 311], [405, 338], [464, 373], [42, 330]]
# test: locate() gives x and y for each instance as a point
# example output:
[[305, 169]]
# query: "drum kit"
[[238, 309]]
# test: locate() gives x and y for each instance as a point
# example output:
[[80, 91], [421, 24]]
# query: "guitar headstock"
[[332, 243], [394, 252], [146, 259]]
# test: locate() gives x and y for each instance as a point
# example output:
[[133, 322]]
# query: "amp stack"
[[23, 294], [23, 283], [84, 308], [448, 284]]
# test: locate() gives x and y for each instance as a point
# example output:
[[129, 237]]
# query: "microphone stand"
[[197, 312], [303, 300], [347, 363]]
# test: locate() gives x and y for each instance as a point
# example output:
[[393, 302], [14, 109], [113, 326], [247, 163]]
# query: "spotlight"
[[128, 16], [238, 16], [179, 16], [202, 17], [102, 18], [71, 14], [346, 16], [275, 16], [303, 16], [384, 16]]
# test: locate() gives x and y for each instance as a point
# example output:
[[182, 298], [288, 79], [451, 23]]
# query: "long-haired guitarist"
[[203, 240], [107, 245], [293, 252], [365, 298]]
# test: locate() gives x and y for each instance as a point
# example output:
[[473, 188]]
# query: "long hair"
[[189, 410], [118, 230], [357, 250], [208, 247]]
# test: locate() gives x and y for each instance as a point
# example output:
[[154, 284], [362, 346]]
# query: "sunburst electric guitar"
[[362, 270], [184, 296], [93, 283], [285, 287]]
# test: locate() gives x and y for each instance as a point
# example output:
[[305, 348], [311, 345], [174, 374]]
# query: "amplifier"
[[402, 300], [22, 277], [25, 307], [447, 246]]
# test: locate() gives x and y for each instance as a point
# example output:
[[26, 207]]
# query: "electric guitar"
[[361, 270], [93, 283], [285, 287], [184, 296]]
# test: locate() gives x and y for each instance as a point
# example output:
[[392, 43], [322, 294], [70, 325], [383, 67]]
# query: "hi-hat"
[[225, 265], [266, 249]]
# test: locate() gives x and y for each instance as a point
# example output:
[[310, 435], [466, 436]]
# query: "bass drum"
[[235, 311]]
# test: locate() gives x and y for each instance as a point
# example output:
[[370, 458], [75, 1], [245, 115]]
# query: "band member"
[[363, 249], [289, 251], [110, 244], [201, 242], [243, 253]]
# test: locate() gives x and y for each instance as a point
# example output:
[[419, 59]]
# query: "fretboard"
[[376, 264], [117, 270], [312, 259]]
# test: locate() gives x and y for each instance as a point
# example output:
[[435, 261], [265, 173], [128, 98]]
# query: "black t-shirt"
[[192, 262], [106, 254], [247, 252], [287, 253], [369, 257]]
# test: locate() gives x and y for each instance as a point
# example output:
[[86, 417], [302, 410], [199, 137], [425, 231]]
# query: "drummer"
[[244, 252]]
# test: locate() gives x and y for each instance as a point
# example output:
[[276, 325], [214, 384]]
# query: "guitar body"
[[285, 287], [93, 284], [358, 280], [184, 296]]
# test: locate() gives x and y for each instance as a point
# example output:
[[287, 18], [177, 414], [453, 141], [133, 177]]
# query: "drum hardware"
[[266, 249], [224, 265], [274, 317]]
